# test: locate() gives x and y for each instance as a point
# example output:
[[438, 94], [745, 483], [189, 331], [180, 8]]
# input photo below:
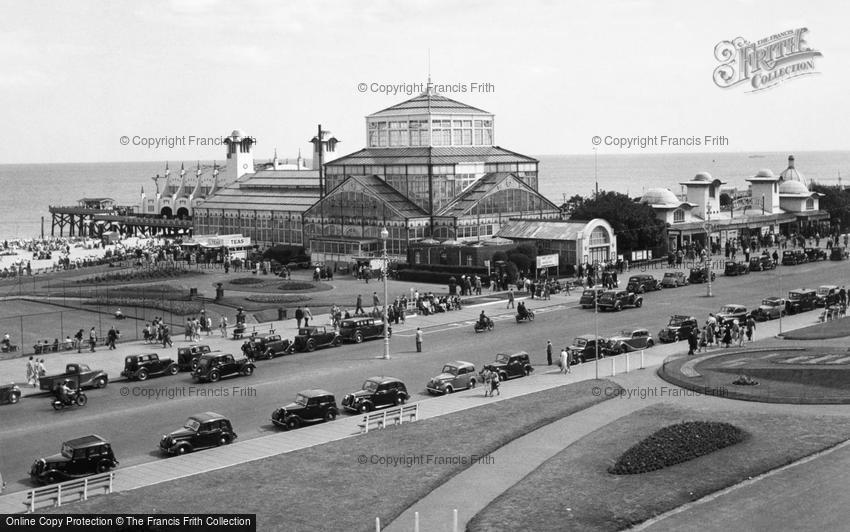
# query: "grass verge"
[[821, 331], [574, 491], [326, 488]]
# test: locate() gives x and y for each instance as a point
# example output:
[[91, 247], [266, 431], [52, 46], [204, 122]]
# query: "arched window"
[[599, 237], [678, 216], [810, 204]]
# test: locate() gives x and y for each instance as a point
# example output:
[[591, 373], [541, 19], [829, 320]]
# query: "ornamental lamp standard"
[[385, 270]]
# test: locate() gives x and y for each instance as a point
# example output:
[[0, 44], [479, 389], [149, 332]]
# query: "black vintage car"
[[140, 367], [10, 393], [678, 328], [793, 257], [200, 431], [827, 295], [214, 366], [80, 457], [377, 392], [815, 254], [838, 253], [310, 406], [584, 348], [736, 268], [187, 357], [510, 366], [589, 296], [730, 313], [358, 329], [643, 283], [761, 263], [801, 300], [617, 300], [310, 338], [700, 275], [275, 346]]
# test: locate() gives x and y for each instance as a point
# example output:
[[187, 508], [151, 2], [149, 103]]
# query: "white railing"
[[395, 416], [70, 491]]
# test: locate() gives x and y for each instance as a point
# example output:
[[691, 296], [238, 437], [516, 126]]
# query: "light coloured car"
[[454, 376], [631, 340]]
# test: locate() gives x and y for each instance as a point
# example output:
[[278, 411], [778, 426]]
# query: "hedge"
[[435, 277]]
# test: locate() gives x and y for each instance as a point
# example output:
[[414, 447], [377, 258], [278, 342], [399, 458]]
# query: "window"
[[599, 237], [678, 216], [810, 204], [712, 191]]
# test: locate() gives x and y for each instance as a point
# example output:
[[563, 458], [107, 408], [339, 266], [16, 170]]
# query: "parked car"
[[793, 257], [376, 392], [674, 280], [731, 313], [736, 268], [215, 366], [454, 376], [589, 296], [761, 263], [79, 457], [358, 329], [643, 283], [826, 295], [815, 254], [310, 406], [584, 348], [200, 431], [310, 338], [700, 275], [838, 253], [510, 366], [771, 308], [140, 367], [10, 393], [678, 328], [631, 340], [275, 347], [80, 375], [187, 357], [617, 300], [801, 300]]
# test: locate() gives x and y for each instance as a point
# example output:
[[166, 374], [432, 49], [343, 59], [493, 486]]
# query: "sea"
[[27, 190]]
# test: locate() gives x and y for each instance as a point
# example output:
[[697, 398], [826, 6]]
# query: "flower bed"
[[675, 444], [277, 299], [294, 286], [137, 275], [180, 308], [246, 280]]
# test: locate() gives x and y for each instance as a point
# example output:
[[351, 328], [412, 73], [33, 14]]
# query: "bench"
[[394, 416]]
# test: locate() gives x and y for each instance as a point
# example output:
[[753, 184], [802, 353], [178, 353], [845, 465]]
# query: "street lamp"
[[707, 226], [596, 325], [384, 236]]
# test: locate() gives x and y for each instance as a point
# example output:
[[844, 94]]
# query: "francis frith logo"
[[765, 63]]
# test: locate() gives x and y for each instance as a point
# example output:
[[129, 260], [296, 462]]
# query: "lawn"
[[325, 488], [574, 491], [830, 329]]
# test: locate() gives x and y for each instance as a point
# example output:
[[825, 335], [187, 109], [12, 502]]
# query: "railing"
[[416, 522], [70, 491], [393, 415]]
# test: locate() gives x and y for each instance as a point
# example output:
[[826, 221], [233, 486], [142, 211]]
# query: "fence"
[[71, 491]]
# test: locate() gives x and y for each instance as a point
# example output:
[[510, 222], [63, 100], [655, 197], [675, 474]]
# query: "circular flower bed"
[[277, 299], [246, 280], [293, 286], [675, 444]]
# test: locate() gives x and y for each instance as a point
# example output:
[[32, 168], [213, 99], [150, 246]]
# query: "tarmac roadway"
[[135, 415]]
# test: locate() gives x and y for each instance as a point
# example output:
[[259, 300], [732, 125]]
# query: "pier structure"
[[92, 217]]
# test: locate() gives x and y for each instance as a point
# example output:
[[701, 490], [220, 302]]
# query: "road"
[[135, 422]]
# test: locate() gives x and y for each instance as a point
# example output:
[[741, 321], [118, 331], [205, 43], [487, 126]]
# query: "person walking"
[[510, 299], [92, 339], [79, 340], [418, 340], [307, 316], [359, 309], [31, 370], [494, 383], [375, 301], [692, 341], [751, 326], [549, 352], [299, 315], [565, 361], [222, 326], [487, 377]]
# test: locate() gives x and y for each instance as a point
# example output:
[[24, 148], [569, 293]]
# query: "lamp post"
[[707, 227], [596, 325], [384, 235]]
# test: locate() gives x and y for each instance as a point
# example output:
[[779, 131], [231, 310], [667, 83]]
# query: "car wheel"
[[103, 466], [449, 389], [364, 408], [400, 399], [311, 345], [14, 398], [100, 383], [503, 377], [650, 343], [51, 479], [618, 307], [173, 369], [293, 423], [624, 349], [472, 383], [330, 415], [358, 337], [142, 375], [639, 303], [194, 364], [214, 376], [223, 440], [337, 341], [183, 449], [248, 370], [527, 371], [57, 405]]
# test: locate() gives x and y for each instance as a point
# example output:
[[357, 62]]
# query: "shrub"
[[421, 276], [675, 444]]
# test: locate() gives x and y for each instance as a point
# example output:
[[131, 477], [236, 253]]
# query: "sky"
[[77, 76]]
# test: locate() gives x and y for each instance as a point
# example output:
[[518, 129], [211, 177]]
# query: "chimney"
[[790, 161]]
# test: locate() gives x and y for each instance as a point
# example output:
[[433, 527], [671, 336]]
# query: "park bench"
[[394, 416]]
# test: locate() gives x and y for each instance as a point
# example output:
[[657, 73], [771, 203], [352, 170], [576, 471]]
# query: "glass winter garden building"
[[430, 170]]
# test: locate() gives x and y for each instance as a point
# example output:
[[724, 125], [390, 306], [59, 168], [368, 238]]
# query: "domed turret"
[[660, 196], [793, 188], [765, 172], [703, 176]]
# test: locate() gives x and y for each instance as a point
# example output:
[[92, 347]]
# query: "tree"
[[725, 200], [635, 224], [835, 201]]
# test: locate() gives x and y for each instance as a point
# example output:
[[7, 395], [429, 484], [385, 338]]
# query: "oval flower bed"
[[246, 280], [137, 275], [265, 298], [675, 444]]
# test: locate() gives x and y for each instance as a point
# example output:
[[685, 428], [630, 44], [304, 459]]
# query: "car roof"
[[86, 441], [828, 286], [734, 305], [382, 379], [588, 336], [315, 393], [207, 416], [143, 355], [800, 290], [460, 363]]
